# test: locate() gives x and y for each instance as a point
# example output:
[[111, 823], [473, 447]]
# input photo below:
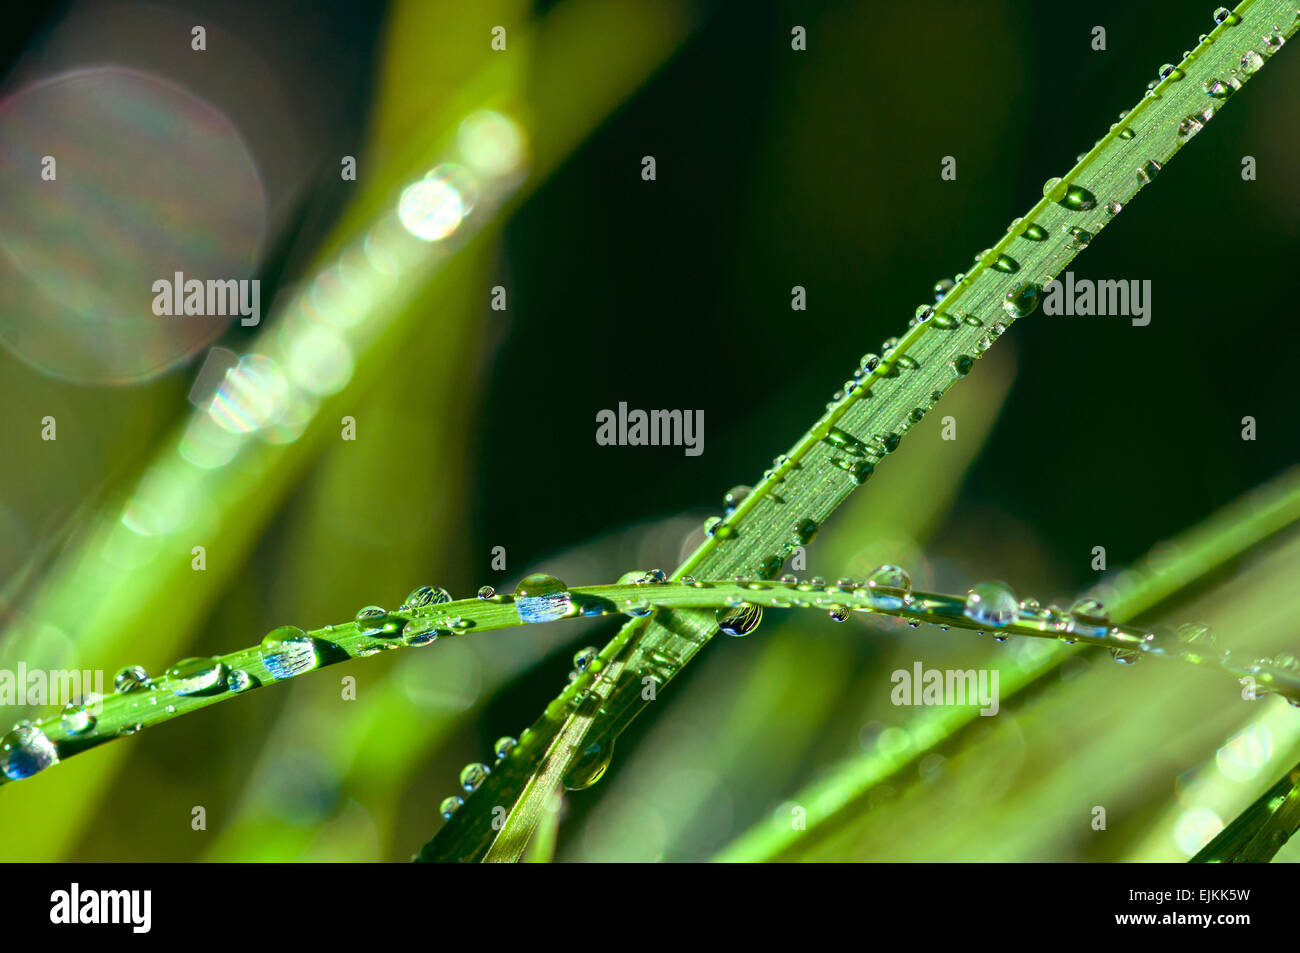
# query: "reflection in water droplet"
[[740, 620], [590, 766], [889, 587], [197, 676], [26, 751], [132, 678], [542, 598], [992, 604], [473, 775], [450, 805], [288, 651]]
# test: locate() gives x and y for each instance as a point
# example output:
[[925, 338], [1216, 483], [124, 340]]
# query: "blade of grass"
[[865, 422]]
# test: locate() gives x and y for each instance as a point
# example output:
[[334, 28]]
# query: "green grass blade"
[[1261, 830], [866, 420]]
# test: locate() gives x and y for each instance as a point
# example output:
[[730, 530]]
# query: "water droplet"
[[1224, 15], [423, 631], [584, 657], [962, 364], [1079, 236], [486, 592], [590, 765], [77, 718], [1169, 71], [450, 806], [839, 614], [944, 320], [197, 676], [542, 598], [1273, 41], [1007, 264], [1113, 208], [239, 681], [473, 775], [1126, 133], [288, 651], [735, 496], [805, 530], [375, 622], [1196, 634], [26, 751], [889, 587], [427, 596], [132, 678], [1033, 232], [1125, 656], [1218, 89], [1022, 301], [1089, 617], [991, 604], [923, 313], [1251, 62], [1054, 188], [504, 745], [740, 620], [1149, 170], [942, 287]]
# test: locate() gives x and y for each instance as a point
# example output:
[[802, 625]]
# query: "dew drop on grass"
[[1273, 41], [962, 364], [77, 718], [1148, 171], [132, 678], [942, 287], [422, 631], [1224, 15], [1113, 208], [288, 651], [26, 751], [473, 775], [739, 620], [889, 587], [839, 613], [542, 598], [583, 658], [197, 676], [1079, 236], [450, 806], [992, 604], [1218, 89], [1035, 233], [1022, 301], [1089, 617], [427, 596], [238, 680], [486, 592], [1196, 634], [1006, 264], [590, 766], [735, 496], [1125, 656], [504, 745]]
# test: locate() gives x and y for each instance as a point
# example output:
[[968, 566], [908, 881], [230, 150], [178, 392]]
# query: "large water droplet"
[[26, 751], [889, 587], [288, 651], [1089, 617], [590, 766], [542, 598], [1022, 301], [132, 678], [992, 604], [197, 676], [473, 775], [427, 596], [740, 620]]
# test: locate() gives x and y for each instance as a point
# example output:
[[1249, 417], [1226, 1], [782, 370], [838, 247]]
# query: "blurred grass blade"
[[1189, 560], [1261, 830]]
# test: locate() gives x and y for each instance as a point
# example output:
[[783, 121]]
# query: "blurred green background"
[[476, 430]]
